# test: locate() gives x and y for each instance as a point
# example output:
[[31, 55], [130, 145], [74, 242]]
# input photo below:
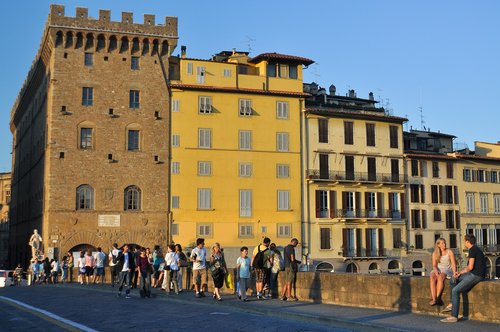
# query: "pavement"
[[269, 315]]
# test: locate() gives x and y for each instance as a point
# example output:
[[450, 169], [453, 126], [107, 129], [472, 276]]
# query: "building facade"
[[90, 128], [354, 184], [5, 197], [236, 149]]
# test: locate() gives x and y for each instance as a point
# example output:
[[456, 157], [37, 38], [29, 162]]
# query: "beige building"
[[5, 194], [354, 188], [90, 124]]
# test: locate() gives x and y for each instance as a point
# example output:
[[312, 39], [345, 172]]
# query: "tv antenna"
[[422, 122], [249, 40]]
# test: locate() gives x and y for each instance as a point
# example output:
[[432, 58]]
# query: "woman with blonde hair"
[[218, 269], [443, 266]]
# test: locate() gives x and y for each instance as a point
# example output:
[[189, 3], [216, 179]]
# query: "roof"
[[476, 157], [429, 156], [430, 133], [277, 56], [238, 90], [360, 114]]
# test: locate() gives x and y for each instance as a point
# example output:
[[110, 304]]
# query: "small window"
[[134, 99], [176, 167], [282, 110], [205, 105], [245, 140], [282, 142], [437, 215], [245, 230], [245, 169], [245, 107], [190, 68], [283, 200], [226, 73], [176, 141], [176, 105], [204, 230], [282, 171], [134, 63], [419, 241], [204, 199], [245, 203], [200, 75], [175, 202], [204, 168], [85, 138], [467, 174], [87, 96], [271, 69], [205, 138], [132, 198], [174, 229], [284, 230], [133, 140], [283, 70], [89, 59], [84, 197]]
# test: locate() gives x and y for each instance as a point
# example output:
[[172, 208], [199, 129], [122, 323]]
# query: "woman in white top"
[[443, 266]]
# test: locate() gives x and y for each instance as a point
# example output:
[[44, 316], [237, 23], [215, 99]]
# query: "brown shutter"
[[422, 193], [455, 189], [358, 242], [344, 201], [424, 219], [402, 202], [381, 242], [333, 204], [441, 194], [367, 200], [380, 205], [358, 203], [457, 219], [391, 207], [318, 203], [368, 241], [344, 241]]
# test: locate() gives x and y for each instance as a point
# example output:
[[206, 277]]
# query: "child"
[[243, 273]]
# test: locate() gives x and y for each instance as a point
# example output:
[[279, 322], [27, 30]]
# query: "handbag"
[[229, 281]]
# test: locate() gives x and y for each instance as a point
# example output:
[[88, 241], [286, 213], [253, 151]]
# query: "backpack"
[[259, 259]]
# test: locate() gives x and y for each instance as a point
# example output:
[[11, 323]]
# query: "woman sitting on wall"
[[443, 266]]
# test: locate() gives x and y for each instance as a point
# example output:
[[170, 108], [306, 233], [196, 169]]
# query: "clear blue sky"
[[441, 55]]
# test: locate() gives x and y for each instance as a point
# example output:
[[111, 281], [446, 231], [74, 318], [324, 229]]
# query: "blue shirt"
[[244, 264]]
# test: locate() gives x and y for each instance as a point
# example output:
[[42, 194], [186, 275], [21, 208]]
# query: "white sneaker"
[[451, 319]]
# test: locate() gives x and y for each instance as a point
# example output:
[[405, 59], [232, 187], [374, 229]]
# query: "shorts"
[[260, 275], [88, 271], [200, 276], [99, 271], [290, 275], [81, 271]]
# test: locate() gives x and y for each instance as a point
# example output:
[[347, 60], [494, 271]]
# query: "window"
[[325, 238], [282, 142], [205, 138], [435, 169], [85, 138], [348, 133], [437, 215], [283, 70], [292, 72], [205, 105], [132, 198], [469, 202], [423, 168], [271, 70], [414, 167], [245, 169], [175, 202], [494, 177], [393, 136], [467, 174], [176, 167], [419, 241], [282, 171], [496, 203], [284, 230], [371, 203], [449, 170], [134, 63], [397, 242], [174, 229], [245, 203], [322, 204], [370, 134], [134, 99], [415, 193], [394, 170], [453, 241], [189, 69], [200, 75], [176, 105], [372, 168], [450, 219], [204, 230], [349, 167], [245, 140], [434, 194], [226, 72], [481, 175], [245, 107], [323, 130], [89, 59], [176, 141], [87, 96], [245, 230], [415, 219], [84, 197], [204, 199], [204, 168], [282, 110], [483, 202], [133, 140], [283, 200]]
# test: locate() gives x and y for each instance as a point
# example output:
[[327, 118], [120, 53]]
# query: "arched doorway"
[[325, 267], [418, 268], [394, 267], [351, 268], [374, 269]]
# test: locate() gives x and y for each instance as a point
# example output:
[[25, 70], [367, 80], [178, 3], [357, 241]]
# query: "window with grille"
[[176, 105], [176, 141], [176, 167], [245, 230]]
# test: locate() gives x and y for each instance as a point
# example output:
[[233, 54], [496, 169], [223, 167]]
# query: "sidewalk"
[[361, 319]]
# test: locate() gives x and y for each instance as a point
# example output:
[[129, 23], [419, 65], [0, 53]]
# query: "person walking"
[[144, 269], [243, 273], [54, 270], [182, 265], [64, 269], [259, 260], [198, 257], [35, 270], [291, 268], [276, 265], [47, 270], [218, 269], [81, 267], [113, 254], [443, 266], [157, 260], [470, 276], [126, 266], [170, 270], [99, 259]]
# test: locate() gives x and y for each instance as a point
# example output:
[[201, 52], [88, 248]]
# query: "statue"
[[35, 243]]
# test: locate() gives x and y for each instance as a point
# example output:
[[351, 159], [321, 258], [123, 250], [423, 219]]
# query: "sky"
[[436, 63]]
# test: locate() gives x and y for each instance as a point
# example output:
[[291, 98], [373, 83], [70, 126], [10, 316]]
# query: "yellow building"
[[236, 149], [479, 185], [355, 184]]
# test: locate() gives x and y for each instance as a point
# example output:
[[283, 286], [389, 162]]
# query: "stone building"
[[90, 156], [5, 194]]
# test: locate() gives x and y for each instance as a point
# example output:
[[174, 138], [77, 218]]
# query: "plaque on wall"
[[108, 220]]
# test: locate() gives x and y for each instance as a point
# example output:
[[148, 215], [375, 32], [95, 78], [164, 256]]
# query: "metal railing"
[[364, 253], [483, 212], [314, 174], [361, 213]]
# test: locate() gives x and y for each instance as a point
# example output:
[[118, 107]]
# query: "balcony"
[[481, 212], [315, 174], [363, 253], [490, 248], [364, 214]]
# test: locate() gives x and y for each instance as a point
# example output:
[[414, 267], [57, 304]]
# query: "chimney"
[[183, 51], [333, 90], [352, 93], [370, 96]]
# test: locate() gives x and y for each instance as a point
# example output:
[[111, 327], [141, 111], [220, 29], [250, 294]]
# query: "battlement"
[[57, 18]]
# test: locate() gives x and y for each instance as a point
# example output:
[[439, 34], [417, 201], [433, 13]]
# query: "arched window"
[[325, 267], [351, 268], [132, 198], [84, 197]]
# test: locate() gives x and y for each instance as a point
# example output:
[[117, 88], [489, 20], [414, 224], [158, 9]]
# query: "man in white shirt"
[[198, 256], [112, 266], [99, 258]]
